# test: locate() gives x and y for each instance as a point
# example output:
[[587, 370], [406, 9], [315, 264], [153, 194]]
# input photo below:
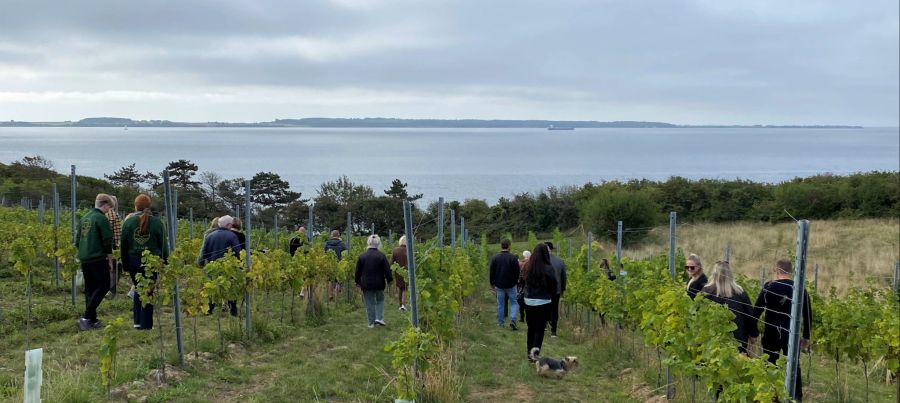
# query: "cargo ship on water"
[[551, 127]]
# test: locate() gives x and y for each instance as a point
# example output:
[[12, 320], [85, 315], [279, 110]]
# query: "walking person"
[[539, 280], [115, 224], [774, 301], [604, 264], [142, 231], [504, 274], [695, 271], [216, 244], [298, 241], [213, 226], [238, 228], [398, 255], [336, 245], [722, 289], [372, 271], [559, 271], [525, 255], [520, 285], [94, 239]]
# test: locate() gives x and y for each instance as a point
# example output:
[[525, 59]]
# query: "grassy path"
[[343, 360]]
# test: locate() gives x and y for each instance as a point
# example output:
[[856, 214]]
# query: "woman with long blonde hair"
[[723, 289]]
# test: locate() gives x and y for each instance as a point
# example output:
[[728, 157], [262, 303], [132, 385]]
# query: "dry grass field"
[[846, 251]]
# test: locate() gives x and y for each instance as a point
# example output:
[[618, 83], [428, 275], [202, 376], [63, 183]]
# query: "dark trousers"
[[774, 348], [537, 317], [142, 314], [521, 301], [96, 285], [114, 276], [554, 312]]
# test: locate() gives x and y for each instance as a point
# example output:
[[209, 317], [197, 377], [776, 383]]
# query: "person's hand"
[[494, 290]]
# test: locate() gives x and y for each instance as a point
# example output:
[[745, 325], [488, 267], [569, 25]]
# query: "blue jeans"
[[502, 295], [374, 305]]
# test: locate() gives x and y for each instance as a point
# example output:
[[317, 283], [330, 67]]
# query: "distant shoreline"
[[374, 123]]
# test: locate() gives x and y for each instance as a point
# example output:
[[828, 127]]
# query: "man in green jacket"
[[94, 241]]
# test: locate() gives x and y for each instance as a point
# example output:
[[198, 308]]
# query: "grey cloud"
[[694, 62]]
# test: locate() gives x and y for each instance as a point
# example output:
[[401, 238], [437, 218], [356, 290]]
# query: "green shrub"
[[636, 210]]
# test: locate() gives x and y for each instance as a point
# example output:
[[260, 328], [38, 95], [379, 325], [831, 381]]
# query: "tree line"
[[640, 203]]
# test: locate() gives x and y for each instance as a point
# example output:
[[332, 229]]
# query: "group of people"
[[374, 272], [529, 288], [105, 242], [533, 287], [772, 306], [99, 235]]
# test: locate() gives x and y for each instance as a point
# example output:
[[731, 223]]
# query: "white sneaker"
[[380, 322], [403, 308], [371, 325]]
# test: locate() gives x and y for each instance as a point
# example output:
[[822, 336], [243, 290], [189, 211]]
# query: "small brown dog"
[[548, 367]]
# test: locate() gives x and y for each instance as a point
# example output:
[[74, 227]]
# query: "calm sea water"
[[466, 163]]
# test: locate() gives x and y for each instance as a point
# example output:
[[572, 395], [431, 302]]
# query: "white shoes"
[[371, 325], [380, 322], [403, 308]]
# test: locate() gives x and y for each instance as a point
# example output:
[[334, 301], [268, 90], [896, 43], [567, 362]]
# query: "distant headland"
[[398, 123]]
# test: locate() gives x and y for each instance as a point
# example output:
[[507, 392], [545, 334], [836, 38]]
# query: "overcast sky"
[[690, 62]]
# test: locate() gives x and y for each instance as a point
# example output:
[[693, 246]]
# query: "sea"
[[460, 164]]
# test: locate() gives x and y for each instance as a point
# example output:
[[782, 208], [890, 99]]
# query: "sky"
[[684, 62]]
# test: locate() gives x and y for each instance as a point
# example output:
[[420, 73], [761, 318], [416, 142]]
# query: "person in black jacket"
[[372, 269], [695, 271], [336, 245], [774, 301], [504, 274], [559, 270], [298, 241], [722, 289], [539, 280]]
